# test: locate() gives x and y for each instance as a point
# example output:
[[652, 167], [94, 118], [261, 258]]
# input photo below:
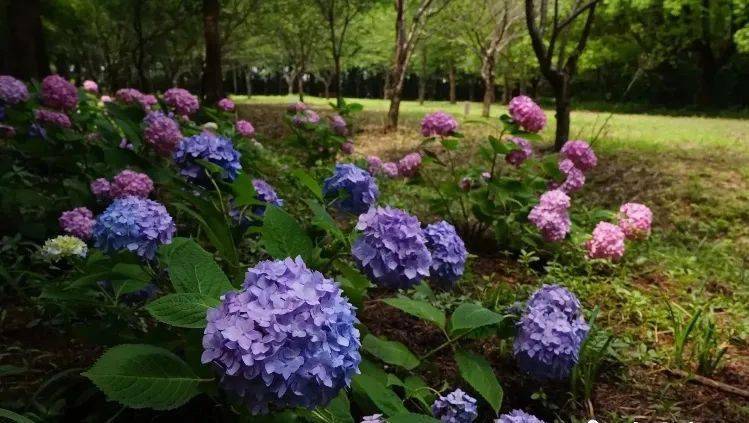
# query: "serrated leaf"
[[185, 310], [144, 376], [385, 399], [420, 309], [193, 270], [480, 375], [283, 236], [412, 418], [471, 316], [390, 352]]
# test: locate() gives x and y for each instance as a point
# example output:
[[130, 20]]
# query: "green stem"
[[444, 345]]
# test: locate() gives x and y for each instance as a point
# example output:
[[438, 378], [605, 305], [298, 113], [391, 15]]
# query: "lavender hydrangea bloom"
[[134, 224], [90, 86], [392, 249], [527, 113], [374, 418], [128, 95], [78, 222], [409, 164], [550, 215], [226, 105], [244, 128], [550, 334], [448, 253], [147, 101], [305, 117], [12, 91], [517, 156], [580, 153], [575, 177], [375, 164], [438, 124], [355, 188], [266, 194], [287, 339], [297, 107], [635, 220], [128, 183], [58, 93], [206, 146], [518, 416], [181, 101], [607, 242], [338, 125], [162, 132], [101, 188], [52, 118], [455, 407], [390, 169]]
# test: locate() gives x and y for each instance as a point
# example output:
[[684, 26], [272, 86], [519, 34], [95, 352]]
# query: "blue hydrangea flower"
[[518, 416], [134, 224], [287, 339], [374, 418], [392, 249], [455, 407], [550, 333], [210, 147], [448, 253], [355, 188]]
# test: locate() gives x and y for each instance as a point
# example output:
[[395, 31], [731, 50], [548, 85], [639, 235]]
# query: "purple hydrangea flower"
[[550, 334], [206, 146], [128, 95], [355, 188], [90, 86], [147, 101], [607, 242], [52, 118], [526, 113], [392, 249], [305, 117], [375, 165], [126, 145], [409, 164], [518, 416], [297, 107], [517, 156], [127, 183], [265, 193], [581, 154], [135, 224], [78, 222], [338, 125], [101, 188], [287, 339], [244, 128], [106, 99], [390, 169], [550, 215], [448, 253], [374, 418], [347, 147], [226, 105], [455, 407], [12, 91], [635, 219], [162, 132], [438, 124], [575, 177], [58, 93], [181, 101]]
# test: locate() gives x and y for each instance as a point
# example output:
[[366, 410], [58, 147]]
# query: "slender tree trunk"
[[562, 97], [300, 86], [453, 96], [708, 75], [507, 94], [248, 81], [212, 77], [140, 52], [337, 83], [27, 53], [234, 78], [423, 76], [487, 74], [385, 85], [326, 88]]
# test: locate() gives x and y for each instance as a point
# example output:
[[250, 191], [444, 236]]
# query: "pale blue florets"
[[355, 188], [455, 407], [518, 416], [448, 253], [206, 146]]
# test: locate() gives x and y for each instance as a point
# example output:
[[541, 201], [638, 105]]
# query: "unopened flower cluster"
[[206, 146], [226, 105], [78, 222], [356, 190], [90, 86], [438, 124], [448, 253], [305, 117], [64, 246], [455, 407], [526, 113], [551, 215], [338, 125], [517, 156], [128, 182], [407, 166]]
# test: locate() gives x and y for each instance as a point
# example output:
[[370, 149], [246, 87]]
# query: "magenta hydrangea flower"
[[526, 113], [575, 177], [518, 416], [58, 93], [226, 105], [448, 254], [287, 339], [390, 169], [392, 249], [550, 215], [305, 117], [409, 164], [581, 154], [455, 407], [90, 86], [12, 91], [101, 188], [635, 219], [128, 183], [106, 99], [181, 101], [438, 124], [338, 125], [297, 107], [517, 156], [53, 118], [550, 334], [162, 132], [374, 165], [347, 148], [607, 242], [128, 95], [147, 101], [244, 128], [355, 189], [78, 222]]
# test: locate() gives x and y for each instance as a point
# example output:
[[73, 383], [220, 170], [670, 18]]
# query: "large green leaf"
[[308, 182], [420, 309], [193, 270], [185, 310], [214, 224], [471, 316], [480, 375], [144, 376], [390, 352], [412, 418], [338, 411], [353, 283], [283, 236], [322, 219], [385, 399], [244, 191], [14, 417]]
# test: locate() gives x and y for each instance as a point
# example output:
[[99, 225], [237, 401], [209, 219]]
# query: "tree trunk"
[[248, 81], [385, 86], [562, 97], [337, 84], [487, 74], [393, 111], [326, 88], [300, 86], [708, 74], [453, 97], [27, 53], [212, 76], [507, 94], [423, 76], [140, 52]]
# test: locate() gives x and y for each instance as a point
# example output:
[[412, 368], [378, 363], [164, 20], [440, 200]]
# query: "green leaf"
[[417, 388], [144, 376], [471, 316], [390, 352], [14, 417], [308, 182], [215, 226], [352, 282], [480, 375], [185, 310], [193, 270], [339, 409], [385, 399], [499, 146], [244, 191], [450, 144], [412, 418], [283, 236], [420, 309], [322, 219], [10, 370]]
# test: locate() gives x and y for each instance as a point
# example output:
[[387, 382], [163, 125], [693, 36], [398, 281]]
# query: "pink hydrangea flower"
[[338, 125], [409, 164], [52, 118], [438, 124], [581, 154], [575, 177], [550, 215], [226, 105], [296, 107], [347, 147], [527, 113], [147, 101], [106, 99], [126, 145], [519, 155], [90, 86], [390, 169], [162, 132], [101, 188], [58, 93], [181, 101], [128, 95], [129, 183], [244, 128], [78, 222], [374, 164], [607, 242], [635, 220]]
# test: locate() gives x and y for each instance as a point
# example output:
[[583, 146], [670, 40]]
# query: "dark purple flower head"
[[607, 242], [448, 253], [58, 93], [409, 164], [287, 339], [181, 101], [52, 118], [392, 249], [305, 117], [581, 154], [518, 416], [347, 147], [575, 177], [550, 334], [550, 215], [438, 124], [162, 132], [101, 188], [455, 407], [128, 95], [244, 128], [526, 113], [78, 222], [12, 91], [226, 105], [355, 188], [517, 156], [135, 224], [206, 146], [127, 183], [338, 125]]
